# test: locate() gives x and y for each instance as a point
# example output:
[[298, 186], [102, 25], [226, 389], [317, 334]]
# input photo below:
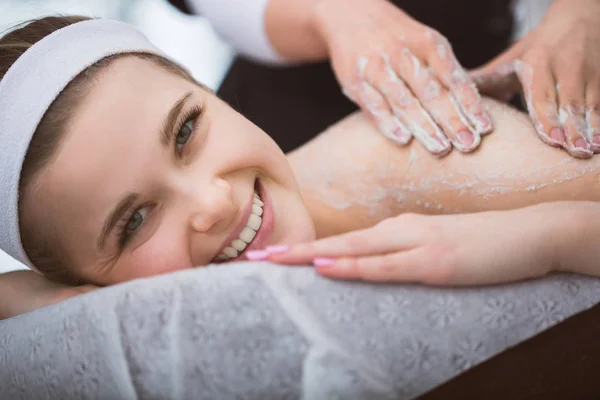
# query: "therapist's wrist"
[[325, 15], [292, 31]]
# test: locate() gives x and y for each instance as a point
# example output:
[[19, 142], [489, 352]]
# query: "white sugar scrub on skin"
[[370, 177]]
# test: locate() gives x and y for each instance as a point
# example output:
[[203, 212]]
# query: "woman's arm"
[[25, 291], [465, 249], [576, 240]]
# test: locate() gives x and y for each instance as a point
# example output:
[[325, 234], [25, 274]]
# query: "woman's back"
[[361, 178]]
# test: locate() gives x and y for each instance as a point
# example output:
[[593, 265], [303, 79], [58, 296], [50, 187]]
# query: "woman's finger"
[[571, 103], [387, 236], [413, 265], [442, 60], [540, 96], [434, 97], [406, 107]]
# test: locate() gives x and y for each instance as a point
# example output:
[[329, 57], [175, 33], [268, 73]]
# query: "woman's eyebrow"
[[115, 216], [171, 120]]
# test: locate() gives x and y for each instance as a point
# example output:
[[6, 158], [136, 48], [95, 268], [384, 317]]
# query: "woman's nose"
[[210, 206]]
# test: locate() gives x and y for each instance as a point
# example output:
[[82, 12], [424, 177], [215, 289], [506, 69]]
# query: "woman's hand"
[[481, 248], [25, 291], [558, 66], [403, 74]]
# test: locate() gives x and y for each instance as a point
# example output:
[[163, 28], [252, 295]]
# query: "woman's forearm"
[[25, 291], [576, 237], [4, 294], [13, 293]]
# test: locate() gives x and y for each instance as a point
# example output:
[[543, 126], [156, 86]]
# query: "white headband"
[[28, 89]]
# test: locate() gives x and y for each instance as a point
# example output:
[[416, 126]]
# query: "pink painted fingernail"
[[557, 134], [581, 143], [278, 249], [465, 137], [257, 255], [323, 262]]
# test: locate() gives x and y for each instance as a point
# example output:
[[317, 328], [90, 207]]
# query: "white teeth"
[[247, 234], [238, 244], [256, 209], [254, 221], [230, 252]]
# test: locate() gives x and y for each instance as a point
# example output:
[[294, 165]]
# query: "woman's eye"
[[184, 134], [136, 220]]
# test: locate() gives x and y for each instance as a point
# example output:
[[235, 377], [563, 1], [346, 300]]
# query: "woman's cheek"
[[158, 256]]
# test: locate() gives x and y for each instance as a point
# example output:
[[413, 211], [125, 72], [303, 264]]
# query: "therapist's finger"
[[406, 107], [436, 99], [592, 114], [442, 60], [571, 102], [498, 77], [540, 95], [374, 105]]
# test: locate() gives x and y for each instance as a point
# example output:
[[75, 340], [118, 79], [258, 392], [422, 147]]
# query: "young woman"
[[136, 170]]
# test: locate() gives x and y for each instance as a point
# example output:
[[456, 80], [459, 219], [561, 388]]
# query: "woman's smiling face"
[[156, 174]]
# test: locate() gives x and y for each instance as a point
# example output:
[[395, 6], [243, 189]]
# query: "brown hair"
[[40, 240]]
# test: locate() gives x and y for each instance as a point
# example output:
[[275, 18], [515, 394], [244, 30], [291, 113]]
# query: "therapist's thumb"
[[498, 77]]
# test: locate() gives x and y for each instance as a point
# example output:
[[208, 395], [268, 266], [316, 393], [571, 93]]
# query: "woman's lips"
[[238, 229], [264, 231]]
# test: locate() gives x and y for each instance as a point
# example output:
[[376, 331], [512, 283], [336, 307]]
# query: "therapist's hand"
[[558, 66], [481, 248], [402, 74]]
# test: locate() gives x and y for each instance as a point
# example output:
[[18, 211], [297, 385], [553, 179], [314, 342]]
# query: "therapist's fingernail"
[[402, 136], [582, 144], [484, 123], [323, 262], [466, 138], [558, 135], [279, 249], [257, 255]]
